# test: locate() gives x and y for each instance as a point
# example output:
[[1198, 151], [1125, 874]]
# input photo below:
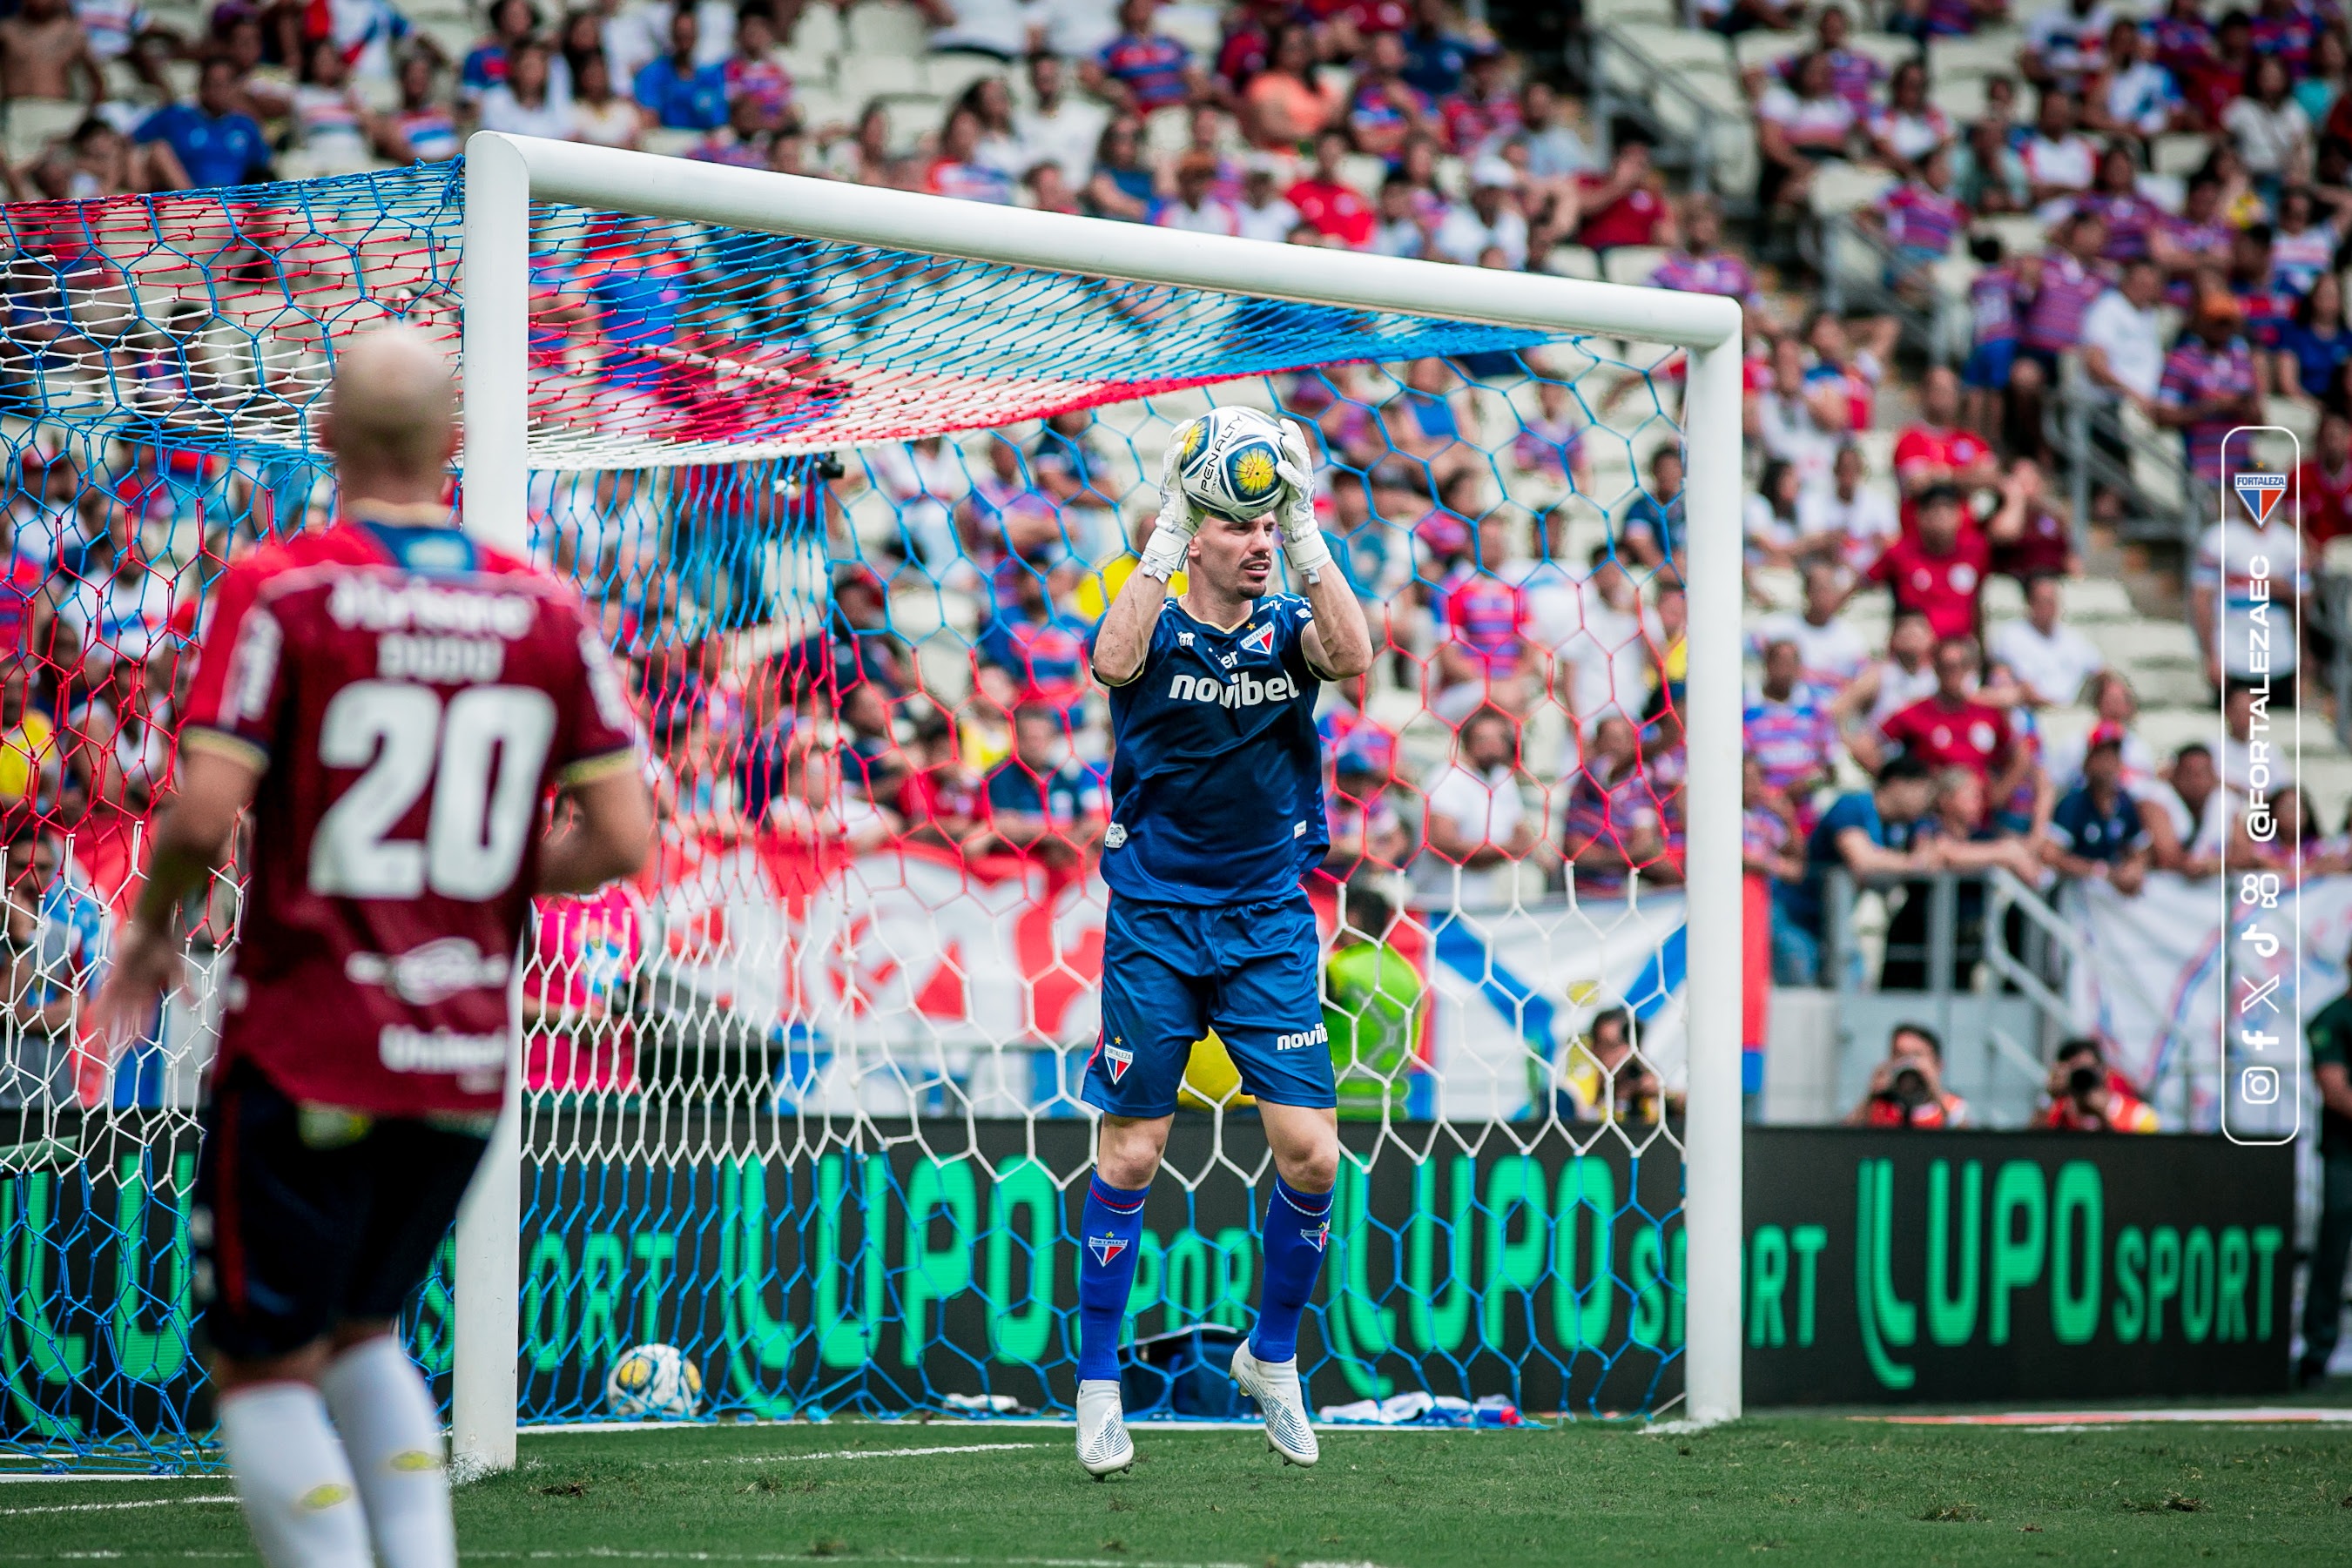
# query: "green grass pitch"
[[1812, 1489]]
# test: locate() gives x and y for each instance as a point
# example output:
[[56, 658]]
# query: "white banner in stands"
[[2148, 984], [864, 961]]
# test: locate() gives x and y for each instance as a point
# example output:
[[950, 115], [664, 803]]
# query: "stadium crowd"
[[1470, 537]]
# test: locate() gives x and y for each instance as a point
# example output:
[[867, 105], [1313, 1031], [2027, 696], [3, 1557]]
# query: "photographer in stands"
[[2085, 1096], [1906, 1090]]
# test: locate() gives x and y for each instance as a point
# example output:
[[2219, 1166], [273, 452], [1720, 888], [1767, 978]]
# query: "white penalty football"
[[1103, 1443], [1275, 1387]]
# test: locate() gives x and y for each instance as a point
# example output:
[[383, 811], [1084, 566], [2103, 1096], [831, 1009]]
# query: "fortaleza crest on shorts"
[[1106, 1248], [2262, 493], [1120, 1061]]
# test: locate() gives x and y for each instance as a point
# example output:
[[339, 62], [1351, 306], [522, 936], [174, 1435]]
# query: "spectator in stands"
[[31, 764], [2095, 833], [422, 130], [1920, 218], [1385, 109], [2189, 817], [2031, 535], [2324, 484], [523, 101], [1324, 199], [2049, 661], [2269, 128], [2224, 594], [1801, 424], [1906, 1090], [43, 50], [1556, 153], [1938, 449], [1941, 572], [600, 116], [1284, 105], [942, 802], [1788, 733], [2065, 44], [1003, 30], [336, 130], [1037, 644], [2123, 343], [675, 89], [1484, 113], [2130, 97], [1473, 816], [1195, 207], [1650, 531], [57, 931], [1056, 127], [215, 142], [1486, 656], [1602, 1080], [2313, 349], [1042, 799], [1831, 654], [1701, 265], [2087, 1095], [1987, 175], [491, 61], [2060, 161], [1846, 520], [1910, 129], [1607, 640], [111, 601], [1612, 828], [814, 810], [1953, 727], [1122, 185], [1491, 222], [1141, 70], [2211, 384], [1367, 831], [959, 171], [1798, 128], [1628, 206]]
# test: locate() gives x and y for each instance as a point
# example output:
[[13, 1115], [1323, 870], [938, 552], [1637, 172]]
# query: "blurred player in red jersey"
[[393, 702]]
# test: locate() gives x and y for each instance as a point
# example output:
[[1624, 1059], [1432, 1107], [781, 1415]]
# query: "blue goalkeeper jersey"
[[1216, 774]]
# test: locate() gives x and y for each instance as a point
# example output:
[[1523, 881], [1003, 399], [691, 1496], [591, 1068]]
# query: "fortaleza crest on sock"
[[1318, 1237], [1120, 1061], [1106, 1248]]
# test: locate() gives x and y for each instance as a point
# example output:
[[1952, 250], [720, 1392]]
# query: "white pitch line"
[[655, 1554], [110, 1506], [51, 1477], [873, 1453]]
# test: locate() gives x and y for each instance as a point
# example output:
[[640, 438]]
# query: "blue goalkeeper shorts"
[[1172, 972]]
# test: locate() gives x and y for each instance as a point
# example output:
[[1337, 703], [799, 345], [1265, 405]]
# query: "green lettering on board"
[[1952, 1313], [2131, 1310]]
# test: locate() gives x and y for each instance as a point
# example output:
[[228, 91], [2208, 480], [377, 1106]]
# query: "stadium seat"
[[668, 142], [1602, 13], [1889, 49], [859, 77], [2178, 156], [809, 71], [947, 76], [1962, 98], [1197, 26], [2021, 234], [876, 29], [1984, 54], [819, 32], [1364, 172], [32, 121], [1841, 187], [1167, 131], [824, 108], [1573, 261], [1683, 50], [1631, 264], [1760, 48]]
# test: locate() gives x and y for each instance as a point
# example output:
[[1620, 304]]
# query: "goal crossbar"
[[505, 174]]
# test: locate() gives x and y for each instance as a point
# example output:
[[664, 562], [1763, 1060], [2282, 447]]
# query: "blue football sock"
[[1106, 1238], [1298, 1227]]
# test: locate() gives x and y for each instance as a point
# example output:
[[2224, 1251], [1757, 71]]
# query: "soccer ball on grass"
[[1229, 462], [653, 1382]]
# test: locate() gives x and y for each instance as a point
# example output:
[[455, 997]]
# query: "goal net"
[[848, 479]]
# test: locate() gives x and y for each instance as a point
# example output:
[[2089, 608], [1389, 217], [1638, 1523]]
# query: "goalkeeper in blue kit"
[[1217, 810]]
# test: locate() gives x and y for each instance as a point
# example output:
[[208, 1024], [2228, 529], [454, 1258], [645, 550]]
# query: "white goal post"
[[504, 174]]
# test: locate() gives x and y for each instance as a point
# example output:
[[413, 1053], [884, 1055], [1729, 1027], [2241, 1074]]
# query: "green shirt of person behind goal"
[[1371, 1008]]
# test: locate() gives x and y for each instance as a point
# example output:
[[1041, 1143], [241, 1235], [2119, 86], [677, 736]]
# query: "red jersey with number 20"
[[411, 697]]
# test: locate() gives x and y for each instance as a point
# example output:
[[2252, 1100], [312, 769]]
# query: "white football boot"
[[1274, 1385], [1103, 1442]]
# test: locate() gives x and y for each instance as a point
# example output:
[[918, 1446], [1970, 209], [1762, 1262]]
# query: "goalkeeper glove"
[[1171, 536], [1302, 536]]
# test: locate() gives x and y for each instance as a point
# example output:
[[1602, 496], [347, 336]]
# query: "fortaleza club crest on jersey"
[[2262, 493], [1120, 1061], [1106, 1248], [1260, 641]]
